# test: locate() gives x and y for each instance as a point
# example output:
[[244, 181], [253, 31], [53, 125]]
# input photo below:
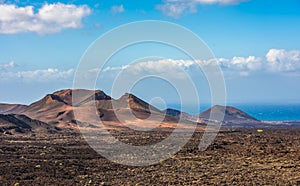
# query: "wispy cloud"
[[50, 18], [175, 8], [40, 75], [275, 61], [10, 64], [117, 9], [166, 67]]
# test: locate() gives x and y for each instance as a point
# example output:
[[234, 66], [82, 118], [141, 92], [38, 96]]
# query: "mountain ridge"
[[57, 110]]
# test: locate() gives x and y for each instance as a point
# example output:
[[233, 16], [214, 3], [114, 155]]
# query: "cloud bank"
[[50, 18], [7, 73], [174, 8], [275, 61]]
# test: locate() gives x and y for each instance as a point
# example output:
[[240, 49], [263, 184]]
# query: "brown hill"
[[12, 108], [232, 115], [182, 115], [127, 107], [50, 109], [129, 103], [14, 124], [57, 108]]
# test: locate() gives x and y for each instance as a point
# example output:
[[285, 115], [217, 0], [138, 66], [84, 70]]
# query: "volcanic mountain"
[[13, 123], [51, 109], [231, 114], [57, 108], [56, 111]]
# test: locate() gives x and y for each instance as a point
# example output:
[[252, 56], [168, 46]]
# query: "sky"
[[256, 43]]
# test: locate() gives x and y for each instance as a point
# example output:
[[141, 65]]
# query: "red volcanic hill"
[[57, 108], [231, 114], [130, 103], [56, 111]]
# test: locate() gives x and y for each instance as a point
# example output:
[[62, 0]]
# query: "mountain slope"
[[57, 108], [50, 109], [12, 108], [182, 115], [232, 115], [13, 124], [129, 103]]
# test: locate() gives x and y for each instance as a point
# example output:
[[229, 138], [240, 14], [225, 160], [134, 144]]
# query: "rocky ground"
[[235, 158]]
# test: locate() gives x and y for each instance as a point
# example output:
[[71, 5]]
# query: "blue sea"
[[270, 112], [266, 112]]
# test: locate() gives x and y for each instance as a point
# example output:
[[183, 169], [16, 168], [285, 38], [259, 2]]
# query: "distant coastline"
[[263, 111]]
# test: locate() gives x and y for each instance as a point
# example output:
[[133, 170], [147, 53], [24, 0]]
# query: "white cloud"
[[42, 75], [10, 64], [242, 63], [275, 61], [174, 8], [166, 67], [282, 60], [50, 18], [117, 9]]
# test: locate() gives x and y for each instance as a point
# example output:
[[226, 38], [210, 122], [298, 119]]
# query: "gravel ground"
[[235, 158]]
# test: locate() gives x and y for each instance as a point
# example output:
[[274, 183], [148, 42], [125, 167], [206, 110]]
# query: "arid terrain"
[[40, 144], [235, 158]]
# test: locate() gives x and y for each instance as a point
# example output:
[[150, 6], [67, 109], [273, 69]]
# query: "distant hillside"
[[180, 114], [232, 115], [13, 124], [12, 108]]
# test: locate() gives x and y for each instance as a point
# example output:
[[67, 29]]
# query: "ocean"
[[272, 112], [266, 112]]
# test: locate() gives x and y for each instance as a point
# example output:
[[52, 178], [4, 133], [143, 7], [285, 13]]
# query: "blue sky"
[[256, 42]]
